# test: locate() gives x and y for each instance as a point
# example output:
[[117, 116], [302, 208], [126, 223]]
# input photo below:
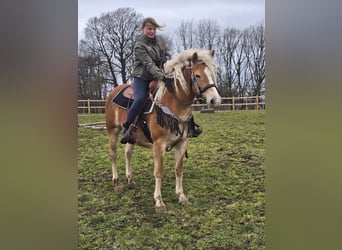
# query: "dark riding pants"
[[140, 90]]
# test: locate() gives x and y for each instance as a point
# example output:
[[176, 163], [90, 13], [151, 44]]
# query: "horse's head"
[[203, 77]]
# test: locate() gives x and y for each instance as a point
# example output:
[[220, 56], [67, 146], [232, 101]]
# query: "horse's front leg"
[[180, 150], [128, 156], [158, 156]]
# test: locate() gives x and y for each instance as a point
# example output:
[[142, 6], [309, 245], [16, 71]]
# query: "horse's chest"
[[175, 138]]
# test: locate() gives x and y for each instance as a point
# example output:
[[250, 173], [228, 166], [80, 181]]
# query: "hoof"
[[131, 184], [161, 209], [184, 202], [118, 189]]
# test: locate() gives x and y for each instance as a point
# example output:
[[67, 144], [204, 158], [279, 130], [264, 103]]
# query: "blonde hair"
[[151, 21]]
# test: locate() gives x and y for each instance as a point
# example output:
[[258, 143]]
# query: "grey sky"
[[228, 13]]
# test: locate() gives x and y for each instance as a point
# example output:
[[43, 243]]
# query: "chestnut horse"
[[194, 74]]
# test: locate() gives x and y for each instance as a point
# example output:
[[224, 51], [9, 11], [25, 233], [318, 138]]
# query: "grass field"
[[223, 179]]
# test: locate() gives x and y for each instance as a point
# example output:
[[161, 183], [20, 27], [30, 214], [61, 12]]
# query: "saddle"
[[125, 97]]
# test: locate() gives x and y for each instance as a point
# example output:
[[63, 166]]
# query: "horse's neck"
[[185, 96], [178, 102]]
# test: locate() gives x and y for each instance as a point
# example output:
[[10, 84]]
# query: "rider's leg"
[[140, 88]]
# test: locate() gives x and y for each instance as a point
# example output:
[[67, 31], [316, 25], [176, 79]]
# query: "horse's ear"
[[212, 52], [194, 57]]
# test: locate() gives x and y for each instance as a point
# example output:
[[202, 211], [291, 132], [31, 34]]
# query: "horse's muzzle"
[[213, 98]]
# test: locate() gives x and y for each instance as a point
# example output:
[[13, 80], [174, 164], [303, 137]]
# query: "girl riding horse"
[[150, 54], [193, 73]]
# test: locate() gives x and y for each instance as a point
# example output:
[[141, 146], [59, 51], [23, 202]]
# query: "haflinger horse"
[[194, 74]]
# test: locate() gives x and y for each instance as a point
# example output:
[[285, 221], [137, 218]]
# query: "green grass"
[[223, 179]]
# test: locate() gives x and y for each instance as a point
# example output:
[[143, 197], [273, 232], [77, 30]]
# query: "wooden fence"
[[228, 103]]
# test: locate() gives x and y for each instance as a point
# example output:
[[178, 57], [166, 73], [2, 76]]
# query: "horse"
[[194, 74]]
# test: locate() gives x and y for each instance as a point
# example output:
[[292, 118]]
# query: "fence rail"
[[228, 103]]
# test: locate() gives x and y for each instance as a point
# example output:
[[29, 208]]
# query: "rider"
[[149, 57]]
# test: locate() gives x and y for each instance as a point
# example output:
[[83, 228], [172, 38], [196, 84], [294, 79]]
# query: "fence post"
[[233, 103], [88, 106], [257, 102]]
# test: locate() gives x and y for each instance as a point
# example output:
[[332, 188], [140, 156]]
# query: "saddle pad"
[[124, 102]]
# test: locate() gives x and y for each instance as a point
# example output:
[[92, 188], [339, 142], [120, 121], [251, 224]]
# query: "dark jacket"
[[149, 58]]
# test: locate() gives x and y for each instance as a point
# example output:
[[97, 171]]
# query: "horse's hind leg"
[[180, 150], [128, 156], [113, 138]]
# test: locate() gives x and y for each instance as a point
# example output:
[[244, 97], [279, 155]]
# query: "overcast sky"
[[228, 13]]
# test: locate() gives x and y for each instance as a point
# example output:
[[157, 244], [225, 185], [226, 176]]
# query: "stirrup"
[[195, 131]]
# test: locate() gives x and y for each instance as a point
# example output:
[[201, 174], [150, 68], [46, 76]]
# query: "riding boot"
[[129, 134], [194, 129], [125, 127]]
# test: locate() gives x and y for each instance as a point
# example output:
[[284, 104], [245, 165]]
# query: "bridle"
[[193, 81]]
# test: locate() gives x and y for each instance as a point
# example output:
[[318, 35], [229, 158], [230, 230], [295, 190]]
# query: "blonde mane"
[[173, 68]]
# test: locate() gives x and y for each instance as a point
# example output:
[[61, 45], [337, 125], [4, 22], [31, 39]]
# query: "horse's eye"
[[197, 76]]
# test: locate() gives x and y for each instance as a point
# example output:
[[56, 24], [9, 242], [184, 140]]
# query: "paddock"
[[225, 175]]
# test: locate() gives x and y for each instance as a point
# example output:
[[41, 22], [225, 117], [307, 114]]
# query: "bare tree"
[[123, 27], [97, 44], [186, 36], [90, 78], [226, 51], [90, 75], [208, 32], [112, 37], [240, 66], [255, 53]]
